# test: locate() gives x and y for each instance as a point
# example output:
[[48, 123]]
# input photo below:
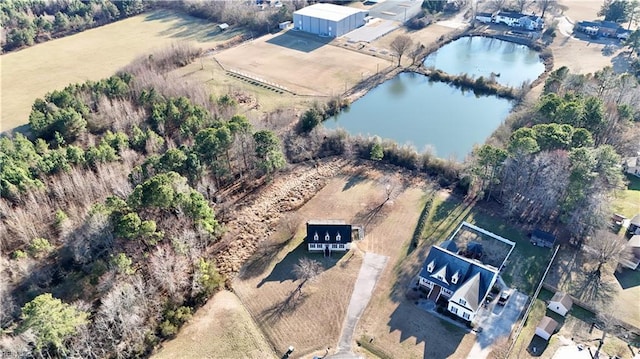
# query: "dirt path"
[[370, 271], [258, 216]]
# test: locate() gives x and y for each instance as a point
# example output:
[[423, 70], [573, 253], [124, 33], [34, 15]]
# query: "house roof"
[[330, 228], [328, 11], [449, 245], [474, 279], [547, 325], [562, 298], [635, 220], [634, 242], [543, 236]]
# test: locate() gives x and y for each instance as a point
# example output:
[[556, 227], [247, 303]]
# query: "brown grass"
[[221, 329], [302, 63]]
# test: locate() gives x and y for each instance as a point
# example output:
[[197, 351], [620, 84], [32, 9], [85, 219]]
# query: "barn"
[[328, 19]]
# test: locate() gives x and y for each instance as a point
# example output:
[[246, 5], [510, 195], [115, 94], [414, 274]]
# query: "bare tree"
[[400, 45], [170, 271], [416, 53], [604, 248], [545, 5], [497, 5], [523, 5], [306, 270]]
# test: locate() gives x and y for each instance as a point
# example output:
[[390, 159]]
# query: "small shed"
[[634, 225], [546, 328], [223, 26], [484, 17], [542, 239], [560, 303]]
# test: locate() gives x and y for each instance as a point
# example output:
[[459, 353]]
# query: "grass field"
[[92, 55], [303, 63], [627, 202], [221, 329]]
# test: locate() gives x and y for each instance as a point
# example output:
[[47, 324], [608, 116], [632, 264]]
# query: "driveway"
[[497, 321], [372, 266]]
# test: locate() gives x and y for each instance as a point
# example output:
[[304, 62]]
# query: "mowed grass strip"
[[221, 329], [92, 55]]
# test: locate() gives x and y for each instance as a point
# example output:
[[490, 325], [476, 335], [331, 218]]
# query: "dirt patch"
[[221, 329], [492, 251], [302, 63]]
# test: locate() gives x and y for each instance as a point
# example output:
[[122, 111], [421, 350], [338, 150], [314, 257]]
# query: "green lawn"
[[627, 202], [527, 262]]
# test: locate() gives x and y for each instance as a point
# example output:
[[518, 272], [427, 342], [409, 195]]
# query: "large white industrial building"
[[328, 19]]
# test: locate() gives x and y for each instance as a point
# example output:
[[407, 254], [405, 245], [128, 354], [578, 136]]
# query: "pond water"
[[480, 56], [410, 109]]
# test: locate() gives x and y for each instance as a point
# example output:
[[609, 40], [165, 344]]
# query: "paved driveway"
[[497, 321], [372, 266]]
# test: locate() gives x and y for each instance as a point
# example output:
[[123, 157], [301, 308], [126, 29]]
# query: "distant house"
[[631, 165], [546, 328], [560, 303], [223, 26], [484, 17], [542, 239], [634, 225], [328, 236], [515, 19], [602, 28], [464, 282], [633, 262]]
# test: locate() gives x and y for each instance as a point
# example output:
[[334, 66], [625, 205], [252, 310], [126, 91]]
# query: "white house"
[[484, 17], [546, 328], [560, 303], [328, 236], [515, 19]]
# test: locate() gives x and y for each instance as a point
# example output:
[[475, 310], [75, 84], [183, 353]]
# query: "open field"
[[221, 329], [303, 63], [92, 55], [574, 329], [616, 291]]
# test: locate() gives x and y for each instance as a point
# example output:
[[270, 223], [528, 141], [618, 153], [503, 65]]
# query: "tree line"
[[113, 203]]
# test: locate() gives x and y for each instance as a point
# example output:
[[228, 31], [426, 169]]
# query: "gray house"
[[328, 20]]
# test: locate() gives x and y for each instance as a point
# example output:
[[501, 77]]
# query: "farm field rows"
[[92, 55]]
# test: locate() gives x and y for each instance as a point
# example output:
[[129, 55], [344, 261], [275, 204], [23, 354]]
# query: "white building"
[[328, 19]]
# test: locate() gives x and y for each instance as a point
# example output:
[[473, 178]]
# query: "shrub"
[[39, 247], [18, 254], [309, 120], [60, 218]]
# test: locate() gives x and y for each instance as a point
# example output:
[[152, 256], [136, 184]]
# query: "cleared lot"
[[303, 63]]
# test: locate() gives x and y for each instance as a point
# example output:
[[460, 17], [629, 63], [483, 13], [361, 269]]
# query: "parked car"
[[504, 296]]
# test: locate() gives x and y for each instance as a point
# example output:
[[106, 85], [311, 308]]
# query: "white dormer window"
[[338, 237], [315, 237], [326, 237], [455, 278], [431, 266]]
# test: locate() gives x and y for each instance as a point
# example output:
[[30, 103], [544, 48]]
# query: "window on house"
[[431, 266], [312, 245], [466, 316], [326, 237], [334, 246], [462, 301], [455, 278], [341, 246], [338, 237], [454, 310], [315, 236]]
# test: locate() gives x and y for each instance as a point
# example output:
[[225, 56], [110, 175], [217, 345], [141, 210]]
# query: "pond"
[[480, 56], [410, 109]]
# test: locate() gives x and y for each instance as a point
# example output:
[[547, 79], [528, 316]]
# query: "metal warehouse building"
[[328, 19]]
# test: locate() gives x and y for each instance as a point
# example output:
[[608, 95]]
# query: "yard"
[[627, 202], [92, 55], [266, 287], [617, 292], [574, 329], [221, 329]]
